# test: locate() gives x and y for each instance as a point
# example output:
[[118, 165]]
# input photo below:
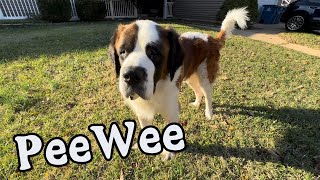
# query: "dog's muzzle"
[[135, 78]]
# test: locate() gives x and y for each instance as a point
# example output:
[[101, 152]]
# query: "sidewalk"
[[269, 33]]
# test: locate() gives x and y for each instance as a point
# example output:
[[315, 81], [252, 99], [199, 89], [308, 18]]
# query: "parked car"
[[302, 15]]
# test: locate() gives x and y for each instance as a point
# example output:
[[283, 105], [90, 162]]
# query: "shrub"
[[89, 10], [55, 10], [231, 4]]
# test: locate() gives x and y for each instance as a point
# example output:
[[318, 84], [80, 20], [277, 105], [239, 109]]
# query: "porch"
[[24, 9]]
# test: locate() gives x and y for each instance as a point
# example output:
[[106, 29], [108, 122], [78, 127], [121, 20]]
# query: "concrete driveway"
[[269, 33]]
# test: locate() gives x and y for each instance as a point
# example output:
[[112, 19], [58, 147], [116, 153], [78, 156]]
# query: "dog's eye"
[[122, 53]]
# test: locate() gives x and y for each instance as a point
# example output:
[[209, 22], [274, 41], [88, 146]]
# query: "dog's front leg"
[[143, 123], [171, 115]]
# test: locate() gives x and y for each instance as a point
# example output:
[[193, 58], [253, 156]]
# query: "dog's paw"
[[167, 155], [195, 104], [209, 115]]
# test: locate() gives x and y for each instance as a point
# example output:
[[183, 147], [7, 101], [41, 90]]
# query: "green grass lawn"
[[303, 38], [56, 80]]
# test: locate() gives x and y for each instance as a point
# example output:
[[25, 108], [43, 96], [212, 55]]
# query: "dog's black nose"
[[134, 75]]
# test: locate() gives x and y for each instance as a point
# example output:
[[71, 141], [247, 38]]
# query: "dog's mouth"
[[134, 93], [133, 97]]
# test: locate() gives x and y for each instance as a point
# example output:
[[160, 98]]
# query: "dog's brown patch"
[[164, 52], [221, 37], [195, 52], [126, 38], [213, 57], [198, 50]]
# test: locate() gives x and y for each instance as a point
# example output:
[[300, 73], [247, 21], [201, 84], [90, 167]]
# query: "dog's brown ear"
[[176, 55], [113, 55]]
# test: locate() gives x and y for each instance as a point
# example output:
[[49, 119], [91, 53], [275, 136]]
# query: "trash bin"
[[271, 14], [277, 16]]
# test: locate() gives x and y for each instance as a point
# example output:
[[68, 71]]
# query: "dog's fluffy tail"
[[239, 16]]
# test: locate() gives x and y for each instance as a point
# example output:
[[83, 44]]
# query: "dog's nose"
[[134, 75]]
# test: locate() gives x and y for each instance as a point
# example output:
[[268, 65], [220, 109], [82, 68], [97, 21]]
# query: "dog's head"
[[143, 53]]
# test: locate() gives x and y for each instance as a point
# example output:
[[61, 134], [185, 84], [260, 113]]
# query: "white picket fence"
[[18, 9], [120, 9], [22, 9]]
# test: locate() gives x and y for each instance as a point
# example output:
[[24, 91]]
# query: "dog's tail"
[[239, 16]]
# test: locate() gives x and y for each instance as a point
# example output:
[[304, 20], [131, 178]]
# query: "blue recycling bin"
[[277, 16], [271, 14]]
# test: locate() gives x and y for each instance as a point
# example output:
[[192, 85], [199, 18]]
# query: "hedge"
[[55, 10], [89, 10]]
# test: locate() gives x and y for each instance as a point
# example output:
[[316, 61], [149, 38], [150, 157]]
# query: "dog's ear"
[[113, 55], [176, 55]]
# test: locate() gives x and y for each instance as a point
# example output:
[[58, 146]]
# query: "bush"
[[252, 6], [89, 10], [55, 10]]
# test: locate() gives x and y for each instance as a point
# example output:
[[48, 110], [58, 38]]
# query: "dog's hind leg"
[[194, 84], [206, 88]]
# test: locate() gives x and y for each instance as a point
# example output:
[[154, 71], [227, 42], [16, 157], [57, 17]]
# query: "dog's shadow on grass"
[[298, 147]]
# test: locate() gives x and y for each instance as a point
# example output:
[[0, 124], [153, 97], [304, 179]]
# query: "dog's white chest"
[[164, 99]]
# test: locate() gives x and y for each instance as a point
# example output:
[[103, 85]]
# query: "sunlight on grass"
[[57, 80], [303, 38]]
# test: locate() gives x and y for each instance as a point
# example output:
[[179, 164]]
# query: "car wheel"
[[296, 23]]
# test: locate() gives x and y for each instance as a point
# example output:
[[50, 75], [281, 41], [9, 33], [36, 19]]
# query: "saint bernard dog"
[[151, 62]]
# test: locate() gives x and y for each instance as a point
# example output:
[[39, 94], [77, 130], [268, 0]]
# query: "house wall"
[[202, 10]]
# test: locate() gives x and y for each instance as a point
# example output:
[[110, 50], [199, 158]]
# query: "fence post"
[[1, 14], [135, 10], [165, 12], [74, 13], [111, 9]]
